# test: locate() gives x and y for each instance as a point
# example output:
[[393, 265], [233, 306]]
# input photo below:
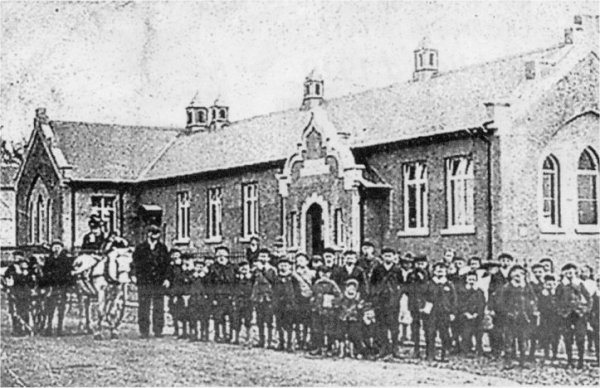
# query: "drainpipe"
[[482, 133]]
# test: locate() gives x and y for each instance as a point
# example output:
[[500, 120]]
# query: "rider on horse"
[[95, 239]]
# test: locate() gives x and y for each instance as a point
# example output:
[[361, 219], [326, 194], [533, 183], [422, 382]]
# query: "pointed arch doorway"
[[314, 230]]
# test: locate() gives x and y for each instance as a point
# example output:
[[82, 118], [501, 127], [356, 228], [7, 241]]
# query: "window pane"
[[412, 206], [586, 186], [423, 210], [586, 161], [588, 212]]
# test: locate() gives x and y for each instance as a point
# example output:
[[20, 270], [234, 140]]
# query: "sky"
[[142, 62]]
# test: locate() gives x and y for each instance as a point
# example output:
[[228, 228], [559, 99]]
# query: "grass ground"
[[78, 360]]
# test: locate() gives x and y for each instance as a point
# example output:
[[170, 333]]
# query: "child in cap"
[[471, 306], [199, 301], [176, 304], [261, 296], [440, 308], [350, 320], [285, 294], [324, 305], [305, 277], [549, 327], [242, 305], [518, 305]]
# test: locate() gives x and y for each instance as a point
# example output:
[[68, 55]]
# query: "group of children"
[[363, 305]]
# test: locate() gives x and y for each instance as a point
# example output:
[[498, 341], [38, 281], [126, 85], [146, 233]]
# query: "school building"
[[496, 157]]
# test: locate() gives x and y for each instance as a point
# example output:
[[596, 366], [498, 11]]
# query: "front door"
[[314, 230]]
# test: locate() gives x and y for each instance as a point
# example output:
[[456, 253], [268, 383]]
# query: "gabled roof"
[[449, 102], [109, 152]]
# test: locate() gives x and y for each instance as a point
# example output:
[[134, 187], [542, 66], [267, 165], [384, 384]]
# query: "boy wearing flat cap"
[[264, 275], [350, 320], [574, 304], [286, 291]]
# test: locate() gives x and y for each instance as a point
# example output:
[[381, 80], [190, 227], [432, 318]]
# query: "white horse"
[[105, 278]]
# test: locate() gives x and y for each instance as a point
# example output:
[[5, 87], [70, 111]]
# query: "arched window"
[[189, 117], [40, 219], [421, 60], [49, 221], [587, 188], [431, 56], [32, 221], [223, 113], [551, 192], [306, 90], [201, 116], [318, 89]]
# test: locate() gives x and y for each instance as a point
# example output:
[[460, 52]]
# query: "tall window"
[[587, 188], [32, 221], [459, 192], [415, 196], [250, 209], [183, 215], [292, 229], [214, 212], [338, 233], [40, 219], [550, 192], [49, 221], [105, 207]]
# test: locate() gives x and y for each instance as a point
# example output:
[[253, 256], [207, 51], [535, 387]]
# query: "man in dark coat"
[[415, 288], [350, 270], [151, 269], [57, 276], [253, 250], [574, 304], [385, 295], [94, 240], [19, 281]]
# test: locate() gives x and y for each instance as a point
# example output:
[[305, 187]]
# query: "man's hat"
[[57, 242], [408, 258], [329, 250], [549, 277], [367, 243], [301, 254], [352, 282], [505, 256], [349, 252], [568, 266], [474, 258], [537, 265], [199, 260], [243, 262], [174, 250], [515, 268], [420, 258], [264, 250], [283, 259], [222, 248], [458, 258], [18, 253], [385, 250], [440, 264], [317, 258], [95, 221], [153, 229]]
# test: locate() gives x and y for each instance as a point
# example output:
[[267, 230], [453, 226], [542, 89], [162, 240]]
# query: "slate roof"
[[109, 152], [449, 102]]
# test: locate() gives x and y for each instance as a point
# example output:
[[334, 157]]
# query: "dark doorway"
[[314, 230]]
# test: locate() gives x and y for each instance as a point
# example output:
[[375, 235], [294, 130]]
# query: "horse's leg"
[[100, 310], [117, 310], [88, 313]]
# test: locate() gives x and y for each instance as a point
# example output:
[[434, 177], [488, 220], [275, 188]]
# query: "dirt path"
[[78, 360]]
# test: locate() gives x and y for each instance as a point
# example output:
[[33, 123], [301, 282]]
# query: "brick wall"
[[164, 194], [553, 125], [383, 230]]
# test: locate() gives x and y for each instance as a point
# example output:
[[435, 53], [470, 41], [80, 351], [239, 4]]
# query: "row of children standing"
[[362, 306]]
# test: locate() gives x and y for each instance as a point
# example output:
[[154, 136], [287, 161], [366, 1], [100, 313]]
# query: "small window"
[[550, 192], [317, 89], [214, 212], [223, 113], [338, 233], [415, 196], [459, 192], [249, 210], [306, 90], [49, 220], [587, 188], [183, 215], [40, 219], [431, 58], [105, 207], [190, 117], [421, 60]]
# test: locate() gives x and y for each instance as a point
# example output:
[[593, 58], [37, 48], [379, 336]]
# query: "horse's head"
[[123, 257]]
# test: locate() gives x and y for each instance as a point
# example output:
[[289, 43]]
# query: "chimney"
[[530, 70], [197, 115], [314, 90], [426, 61], [586, 29], [219, 114]]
